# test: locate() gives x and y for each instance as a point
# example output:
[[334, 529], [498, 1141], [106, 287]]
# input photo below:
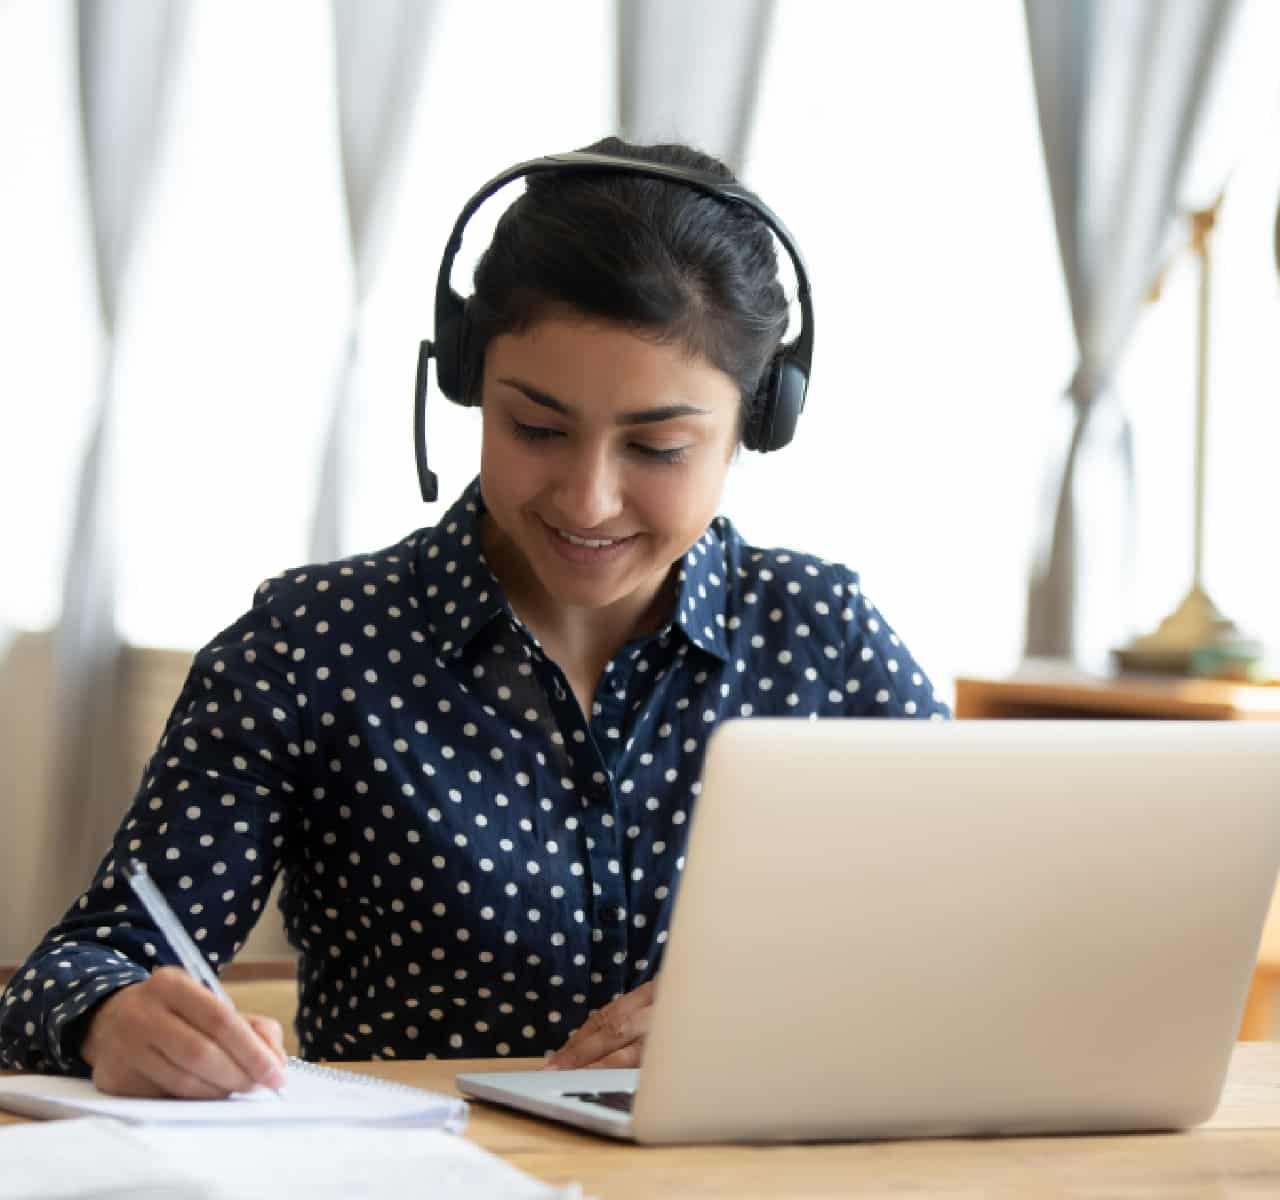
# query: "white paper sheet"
[[345, 1164], [97, 1159], [88, 1159]]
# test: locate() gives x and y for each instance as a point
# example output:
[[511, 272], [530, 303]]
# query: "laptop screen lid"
[[900, 928]]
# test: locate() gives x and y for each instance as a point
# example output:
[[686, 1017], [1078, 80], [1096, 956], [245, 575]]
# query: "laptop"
[[900, 929]]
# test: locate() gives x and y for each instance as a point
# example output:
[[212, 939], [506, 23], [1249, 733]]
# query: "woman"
[[474, 754]]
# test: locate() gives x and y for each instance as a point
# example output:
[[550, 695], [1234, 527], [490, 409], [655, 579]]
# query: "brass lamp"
[[1196, 636]]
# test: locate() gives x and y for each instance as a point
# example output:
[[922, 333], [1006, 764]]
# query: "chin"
[[580, 594]]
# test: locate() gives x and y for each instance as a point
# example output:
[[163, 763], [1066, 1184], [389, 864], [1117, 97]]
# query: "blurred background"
[[220, 226]]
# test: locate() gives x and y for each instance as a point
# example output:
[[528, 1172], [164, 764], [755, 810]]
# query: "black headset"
[[781, 392]]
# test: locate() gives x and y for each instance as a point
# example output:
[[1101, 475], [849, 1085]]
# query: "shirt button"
[[613, 915]]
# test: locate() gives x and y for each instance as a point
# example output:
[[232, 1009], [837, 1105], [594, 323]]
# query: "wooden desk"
[[1047, 689], [1236, 1154]]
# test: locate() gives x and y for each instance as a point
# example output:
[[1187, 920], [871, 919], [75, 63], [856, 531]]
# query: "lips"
[[596, 543], [585, 551]]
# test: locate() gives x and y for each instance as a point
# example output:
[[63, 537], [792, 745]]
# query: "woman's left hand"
[[612, 1036]]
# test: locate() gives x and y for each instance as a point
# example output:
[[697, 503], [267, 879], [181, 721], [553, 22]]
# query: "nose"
[[589, 494]]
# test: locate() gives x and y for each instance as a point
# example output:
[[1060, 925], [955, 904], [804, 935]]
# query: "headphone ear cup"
[[466, 394], [779, 402], [755, 433], [788, 402], [448, 368], [451, 356]]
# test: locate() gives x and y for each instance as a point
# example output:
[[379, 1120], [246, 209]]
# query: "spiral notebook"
[[312, 1095]]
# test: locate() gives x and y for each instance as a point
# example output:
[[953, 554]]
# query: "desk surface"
[[1237, 1153]]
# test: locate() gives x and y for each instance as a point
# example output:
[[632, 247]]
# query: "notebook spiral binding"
[[337, 1075]]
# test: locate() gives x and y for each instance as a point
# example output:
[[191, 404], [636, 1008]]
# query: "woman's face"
[[604, 457]]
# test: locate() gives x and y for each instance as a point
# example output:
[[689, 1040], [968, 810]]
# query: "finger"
[[640, 997], [626, 1056], [647, 990], [242, 1059], [196, 1053], [583, 1042], [609, 1031], [175, 1080], [270, 1031], [114, 1080], [618, 1009], [622, 1013], [149, 1075]]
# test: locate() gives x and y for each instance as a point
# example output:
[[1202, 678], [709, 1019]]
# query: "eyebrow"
[[644, 416]]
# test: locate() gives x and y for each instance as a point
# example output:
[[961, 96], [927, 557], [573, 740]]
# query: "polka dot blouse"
[[470, 862]]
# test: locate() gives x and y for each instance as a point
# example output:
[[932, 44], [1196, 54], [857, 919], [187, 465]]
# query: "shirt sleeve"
[[209, 823], [882, 678]]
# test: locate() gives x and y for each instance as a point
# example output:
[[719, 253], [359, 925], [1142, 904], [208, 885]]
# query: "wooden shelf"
[[1045, 689]]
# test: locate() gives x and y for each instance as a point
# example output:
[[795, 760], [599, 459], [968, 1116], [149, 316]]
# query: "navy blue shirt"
[[470, 862]]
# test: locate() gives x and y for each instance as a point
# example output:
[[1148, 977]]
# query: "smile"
[[595, 552], [595, 543]]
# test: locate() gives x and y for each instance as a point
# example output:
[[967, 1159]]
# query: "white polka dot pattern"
[[470, 863]]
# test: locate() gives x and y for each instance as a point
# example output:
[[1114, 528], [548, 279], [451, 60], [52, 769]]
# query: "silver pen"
[[193, 962]]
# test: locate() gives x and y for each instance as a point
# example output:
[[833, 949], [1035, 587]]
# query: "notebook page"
[[309, 1096]]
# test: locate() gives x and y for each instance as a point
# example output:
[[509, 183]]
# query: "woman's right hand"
[[171, 1036]]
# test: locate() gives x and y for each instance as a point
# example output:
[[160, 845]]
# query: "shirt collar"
[[702, 591], [465, 595]]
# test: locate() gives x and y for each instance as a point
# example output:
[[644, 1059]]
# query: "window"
[[909, 168]]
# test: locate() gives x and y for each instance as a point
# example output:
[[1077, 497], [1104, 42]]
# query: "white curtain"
[[689, 71], [129, 56], [260, 233], [1120, 86], [380, 47]]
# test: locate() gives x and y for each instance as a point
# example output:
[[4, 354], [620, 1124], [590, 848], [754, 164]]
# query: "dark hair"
[[660, 258]]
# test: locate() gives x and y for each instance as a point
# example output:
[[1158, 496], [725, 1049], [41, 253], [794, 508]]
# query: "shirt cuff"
[[68, 1021]]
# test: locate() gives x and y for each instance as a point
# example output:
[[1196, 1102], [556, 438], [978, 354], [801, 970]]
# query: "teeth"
[[595, 543]]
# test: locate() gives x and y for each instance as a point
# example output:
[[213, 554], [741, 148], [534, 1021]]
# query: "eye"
[[533, 433], [666, 457]]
